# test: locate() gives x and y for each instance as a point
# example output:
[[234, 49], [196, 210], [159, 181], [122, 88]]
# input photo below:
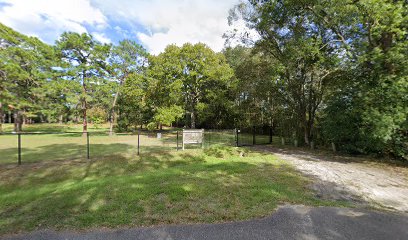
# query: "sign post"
[[193, 136]]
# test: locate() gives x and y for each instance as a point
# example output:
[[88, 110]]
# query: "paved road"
[[289, 222]]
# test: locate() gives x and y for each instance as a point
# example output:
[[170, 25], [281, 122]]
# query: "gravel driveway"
[[348, 178]]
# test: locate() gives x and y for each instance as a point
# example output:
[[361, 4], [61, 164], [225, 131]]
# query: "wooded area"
[[318, 71]]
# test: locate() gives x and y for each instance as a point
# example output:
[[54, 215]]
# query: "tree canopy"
[[340, 69], [317, 71]]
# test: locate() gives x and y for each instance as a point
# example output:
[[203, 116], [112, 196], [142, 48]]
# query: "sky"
[[152, 23]]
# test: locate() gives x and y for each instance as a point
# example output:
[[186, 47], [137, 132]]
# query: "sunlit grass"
[[69, 146], [55, 127], [58, 187], [211, 185]]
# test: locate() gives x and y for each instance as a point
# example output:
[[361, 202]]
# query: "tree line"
[[319, 72], [79, 79]]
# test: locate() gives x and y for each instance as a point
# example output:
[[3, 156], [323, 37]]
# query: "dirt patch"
[[346, 178]]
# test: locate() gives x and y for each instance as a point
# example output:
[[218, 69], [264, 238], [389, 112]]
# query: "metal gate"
[[254, 136]]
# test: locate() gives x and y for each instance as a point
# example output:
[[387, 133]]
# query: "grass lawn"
[[211, 185], [71, 146], [55, 127]]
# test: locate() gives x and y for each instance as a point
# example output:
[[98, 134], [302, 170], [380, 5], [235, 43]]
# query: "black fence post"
[[138, 142], [236, 137], [87, 145], [19, 148], [177, 141], [209, 138], [253, 135], [270, 135]]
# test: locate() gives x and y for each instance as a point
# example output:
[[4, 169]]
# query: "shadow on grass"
[[71, 151], [155, 188], [64, 151], [158, 187]]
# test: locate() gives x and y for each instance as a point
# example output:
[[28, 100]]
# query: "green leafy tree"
[[187, 76], [97, 115], [126, 58], [374, 34], [256, 92], [339, 64], [24, 68], [133, 108], [303, 57], [86, 60]]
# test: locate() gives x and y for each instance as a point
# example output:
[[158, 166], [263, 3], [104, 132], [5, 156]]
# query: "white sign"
[[193, 136]]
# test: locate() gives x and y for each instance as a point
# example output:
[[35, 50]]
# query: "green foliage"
[[337, 65], [256, 90], [326, 71], [128, 64], [84, 62], [168, 115], [379, 91], [289, 68], [186, 77], [97, 115], [132, 103], [25, 67]]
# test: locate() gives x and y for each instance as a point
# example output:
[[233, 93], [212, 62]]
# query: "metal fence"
[[254, 136], [29, 147]]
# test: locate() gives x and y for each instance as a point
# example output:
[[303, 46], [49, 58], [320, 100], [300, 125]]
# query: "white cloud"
[[173, 21], [50, 18], [156, 23], [101, 37]]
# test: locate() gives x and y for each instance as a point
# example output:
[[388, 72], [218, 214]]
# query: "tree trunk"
[[193, 119], [9, 116], [24, 119], [307, 134], [115, 100], [17, 121], [20, 118], [1, 117], [15, 117], [84, 122], [84, 106], [113, 116], [111, 125], [61, 117]]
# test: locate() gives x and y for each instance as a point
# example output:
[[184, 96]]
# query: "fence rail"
[[22, 147], [26, 147]]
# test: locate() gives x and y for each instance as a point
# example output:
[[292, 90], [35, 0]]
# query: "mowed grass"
[[193, 186], [70, 146], [59, 145], [56, 127]]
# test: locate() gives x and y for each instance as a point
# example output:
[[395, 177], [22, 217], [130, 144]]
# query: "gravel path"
[[351, 179]]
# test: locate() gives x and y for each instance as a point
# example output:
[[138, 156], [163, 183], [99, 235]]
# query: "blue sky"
[[152, 23]]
